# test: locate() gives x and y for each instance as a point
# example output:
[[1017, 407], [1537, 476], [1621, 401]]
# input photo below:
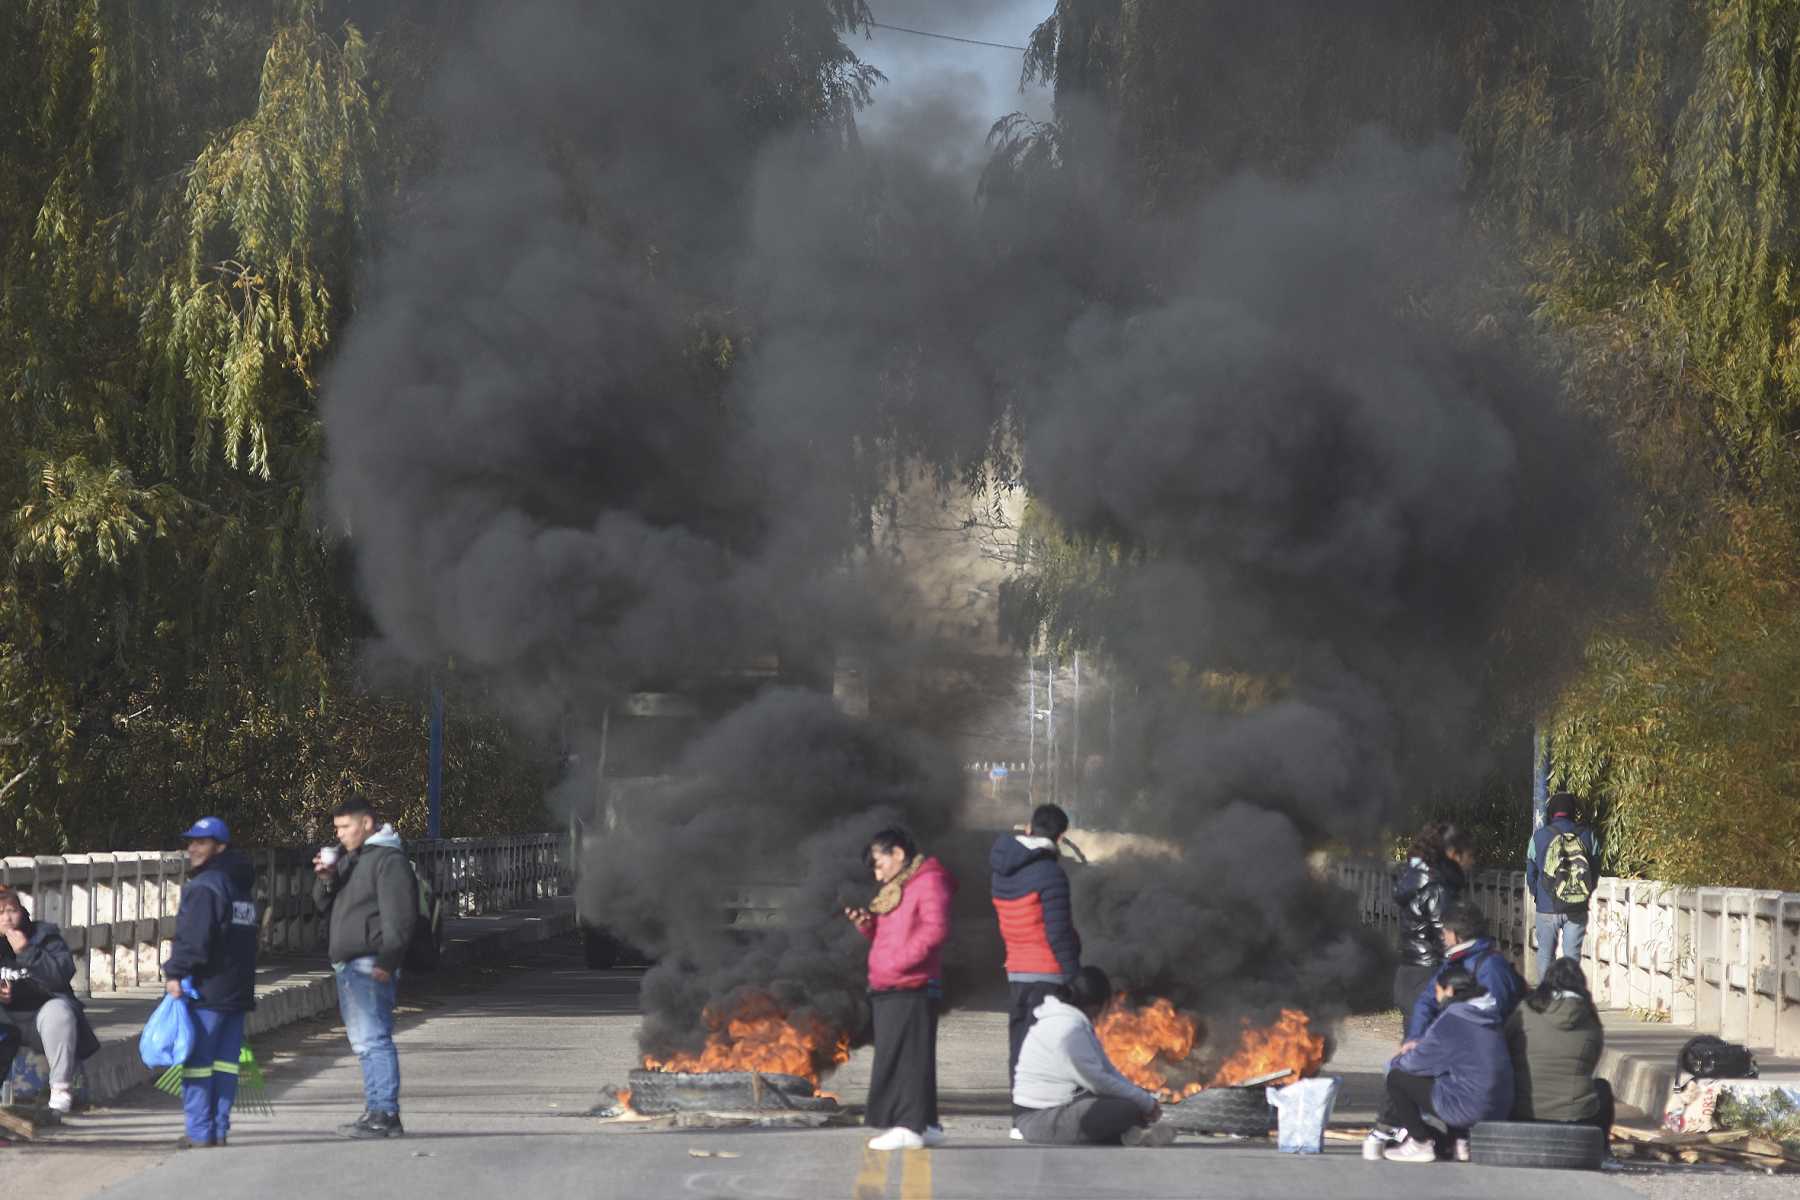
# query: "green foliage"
[[1690, 735], [1775, 1116], [187, 191]]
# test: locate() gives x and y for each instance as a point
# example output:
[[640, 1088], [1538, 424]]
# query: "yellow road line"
[[915, 1175], [871, 1181]]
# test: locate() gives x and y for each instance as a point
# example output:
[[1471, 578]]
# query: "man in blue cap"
[[215, 955]]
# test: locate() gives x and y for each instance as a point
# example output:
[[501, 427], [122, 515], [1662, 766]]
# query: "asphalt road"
[[498, 1079]]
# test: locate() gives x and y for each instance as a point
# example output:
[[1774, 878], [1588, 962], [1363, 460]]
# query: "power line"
[[946, 37]]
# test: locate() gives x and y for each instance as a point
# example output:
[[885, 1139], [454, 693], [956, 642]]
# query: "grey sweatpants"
[[1100, 1120], [52, 1031]]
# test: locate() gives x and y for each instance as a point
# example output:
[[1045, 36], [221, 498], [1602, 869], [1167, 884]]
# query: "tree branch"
[[16, 780]]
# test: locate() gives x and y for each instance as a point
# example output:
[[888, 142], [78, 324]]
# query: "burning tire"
[[1241, 1112], [1529, 1144], [722, 1091]]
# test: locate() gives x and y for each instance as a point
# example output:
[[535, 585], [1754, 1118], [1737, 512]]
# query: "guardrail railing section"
[[117, 908], [1722, 960]]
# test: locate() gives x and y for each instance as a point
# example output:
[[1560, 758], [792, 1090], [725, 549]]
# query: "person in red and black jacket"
[[1031, 896]]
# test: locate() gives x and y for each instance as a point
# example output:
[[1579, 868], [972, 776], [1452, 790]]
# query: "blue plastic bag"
[[168, 1036]]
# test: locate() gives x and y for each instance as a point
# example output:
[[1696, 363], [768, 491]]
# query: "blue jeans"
[[209, 1078], [368, 1011], [1572, 926]]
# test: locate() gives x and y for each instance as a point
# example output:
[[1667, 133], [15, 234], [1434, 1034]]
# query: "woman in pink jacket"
[[906, 924]]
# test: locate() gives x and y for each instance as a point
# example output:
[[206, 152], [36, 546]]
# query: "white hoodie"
[[1062, 1057]]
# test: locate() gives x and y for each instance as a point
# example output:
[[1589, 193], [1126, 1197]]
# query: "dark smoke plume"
[[636, 364]]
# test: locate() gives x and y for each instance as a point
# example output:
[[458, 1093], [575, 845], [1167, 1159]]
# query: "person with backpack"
[[371, 898], [1562, 864], [213, 961], [1555, 1039], [1459, 1072], [1031, 900], [1434, 877], [1468, 946]]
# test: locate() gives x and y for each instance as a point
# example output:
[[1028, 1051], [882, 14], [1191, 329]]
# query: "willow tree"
[[187, 189], [1643, 156]]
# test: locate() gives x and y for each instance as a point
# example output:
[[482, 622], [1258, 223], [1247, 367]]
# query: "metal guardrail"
[[1721, 960], [117, 908]]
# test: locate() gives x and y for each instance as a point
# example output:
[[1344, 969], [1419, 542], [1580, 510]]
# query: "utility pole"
[[434, 769], [1540, 776]]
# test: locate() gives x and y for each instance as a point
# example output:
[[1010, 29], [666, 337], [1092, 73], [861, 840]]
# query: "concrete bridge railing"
[[1721, 960], [117, 908]]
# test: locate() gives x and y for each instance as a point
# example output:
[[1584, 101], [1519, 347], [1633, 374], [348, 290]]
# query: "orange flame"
[[623, 1098], [757, 1035], [1288, 1044], [1152, 1043], [1144, 1043]]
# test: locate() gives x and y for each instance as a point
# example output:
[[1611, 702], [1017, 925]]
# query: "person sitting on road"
[[1555, 1039], [1066, 1091], [1458, 1072], [37, 999], [1432, 880], [1467, 944]]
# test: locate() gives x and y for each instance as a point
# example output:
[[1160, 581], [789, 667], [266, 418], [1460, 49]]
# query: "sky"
[[978, 84]]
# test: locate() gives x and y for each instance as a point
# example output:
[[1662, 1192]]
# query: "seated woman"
[[37, 1000], [1458, 1072], [1555, 1039], [1067, 1091]]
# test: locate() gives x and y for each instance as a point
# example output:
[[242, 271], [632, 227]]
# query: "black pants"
[[1409, 980], [903, 1080], [1019, 1020], [1407, 1105]]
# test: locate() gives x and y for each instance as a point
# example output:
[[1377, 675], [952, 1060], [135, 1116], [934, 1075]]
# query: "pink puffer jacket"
[[905, 949]]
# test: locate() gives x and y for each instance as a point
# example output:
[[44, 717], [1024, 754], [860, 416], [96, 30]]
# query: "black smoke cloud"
[[1329, 486]]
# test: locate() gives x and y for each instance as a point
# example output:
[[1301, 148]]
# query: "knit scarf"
[[888, 898]]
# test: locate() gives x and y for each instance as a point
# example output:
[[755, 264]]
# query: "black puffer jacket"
[[1424, 891]]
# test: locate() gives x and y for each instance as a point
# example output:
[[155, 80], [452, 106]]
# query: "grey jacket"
[[1062, 1058], [372, 900], [1555, 1054]]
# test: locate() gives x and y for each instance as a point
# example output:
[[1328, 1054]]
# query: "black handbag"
[[1709, 1057]]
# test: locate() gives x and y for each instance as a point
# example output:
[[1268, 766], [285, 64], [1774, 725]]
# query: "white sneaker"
[[935, 1135], [62, 1100], [1016, 1134], [897, 1138], [1412, 1151]]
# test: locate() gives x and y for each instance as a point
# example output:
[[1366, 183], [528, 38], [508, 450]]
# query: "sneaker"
[[374, 1125], [897, 1138], [1462, 1149], [935, 1135], [1150, 1136], [62, 1100], [184, 1142], [1016, 1134], [1412, 1151]]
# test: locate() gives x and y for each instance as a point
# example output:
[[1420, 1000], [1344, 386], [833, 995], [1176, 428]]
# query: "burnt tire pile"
[[1240, 1112], [723, 1091], [1530, 1144]]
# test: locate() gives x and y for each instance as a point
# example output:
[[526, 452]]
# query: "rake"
[[253, 1089]]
